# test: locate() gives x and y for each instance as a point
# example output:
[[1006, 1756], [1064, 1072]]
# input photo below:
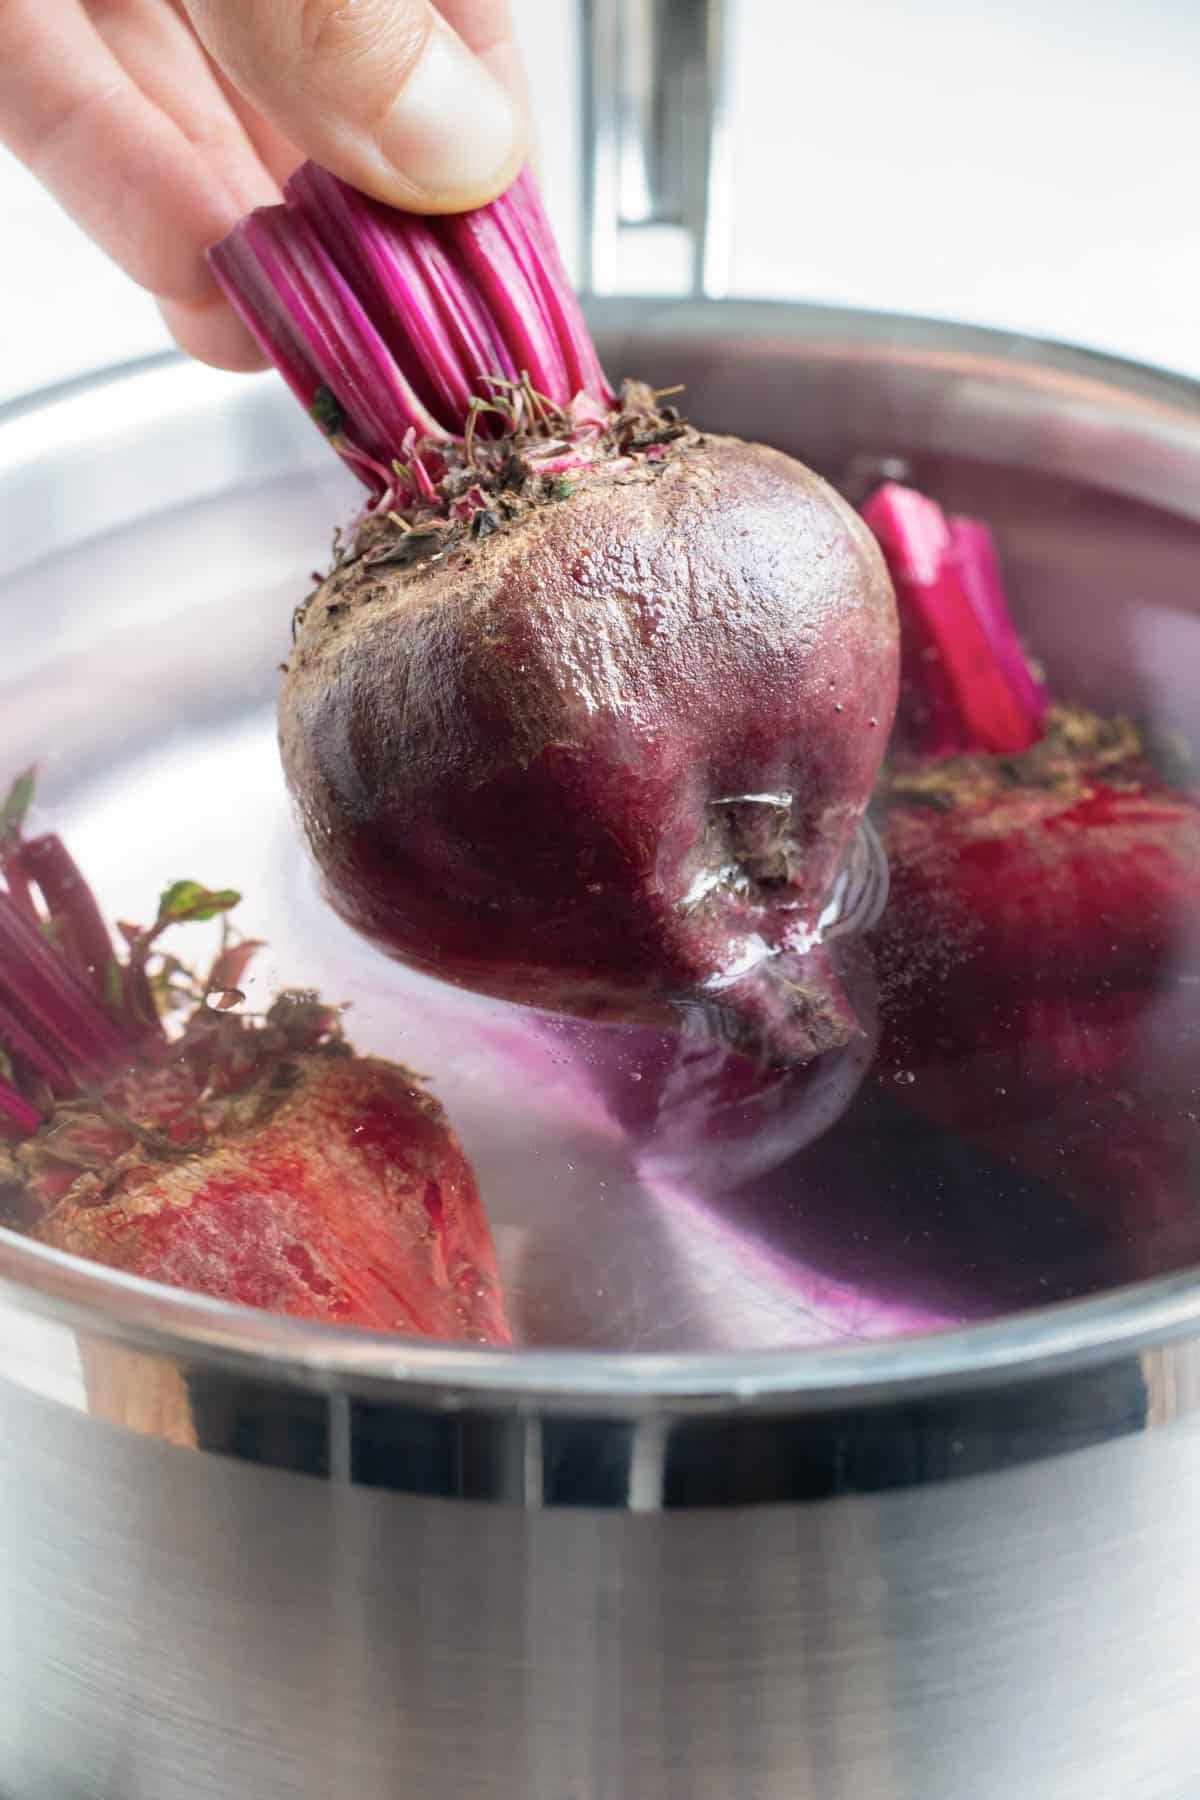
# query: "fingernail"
[[453, 134], [504, 62]]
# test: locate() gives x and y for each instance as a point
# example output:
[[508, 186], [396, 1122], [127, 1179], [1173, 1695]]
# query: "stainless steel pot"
[[243, 1557]]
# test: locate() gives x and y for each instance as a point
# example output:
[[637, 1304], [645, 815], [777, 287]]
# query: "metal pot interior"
[[161, 525]]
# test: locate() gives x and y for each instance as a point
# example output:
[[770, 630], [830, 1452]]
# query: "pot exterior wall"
[[179, 1623]]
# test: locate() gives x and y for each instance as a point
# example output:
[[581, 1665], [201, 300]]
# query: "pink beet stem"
[[12, 867], [312, 326], [384, 323], [17, 1117], [381, 264], [352, 357], [60, 1023], [584, 374], [46, 993], [243, 266], [974, 551], [72, 907], [35, 1053], [967, 684], [489, 246]]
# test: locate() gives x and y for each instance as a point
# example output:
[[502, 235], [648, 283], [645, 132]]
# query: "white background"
[[1030, 163]]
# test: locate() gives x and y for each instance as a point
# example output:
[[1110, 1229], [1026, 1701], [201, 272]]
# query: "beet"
[[348, 1198], [588, 713], [1068, 869], [1035, 941], [251, 1159], [1045, 880], [613, 755]]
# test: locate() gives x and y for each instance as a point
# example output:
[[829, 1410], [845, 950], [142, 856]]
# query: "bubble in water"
[[905, 1077]]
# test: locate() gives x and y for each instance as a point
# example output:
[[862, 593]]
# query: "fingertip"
[[505, 62], [451, 137], [211, 332], [384, 94], [397, 188]]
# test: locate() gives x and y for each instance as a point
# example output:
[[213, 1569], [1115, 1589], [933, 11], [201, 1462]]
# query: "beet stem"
[[404, 283], [17, 1116], [967, 684], [20, 888], [67, 1013], [73, 909], [384, 323], [34, 1054], [38, 982]]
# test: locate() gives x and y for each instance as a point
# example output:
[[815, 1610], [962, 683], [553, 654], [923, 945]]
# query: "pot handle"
[[656, 215]]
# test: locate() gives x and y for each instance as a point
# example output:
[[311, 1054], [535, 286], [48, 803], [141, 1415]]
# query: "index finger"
[[124, 171]]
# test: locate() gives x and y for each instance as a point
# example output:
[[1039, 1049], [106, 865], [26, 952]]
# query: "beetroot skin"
[[609, 755], [1037, 903], [253, 1158], [318, 1183], [1038, 946]]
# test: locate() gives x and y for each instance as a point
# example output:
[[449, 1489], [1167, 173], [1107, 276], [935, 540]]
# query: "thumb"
[[382, 92]]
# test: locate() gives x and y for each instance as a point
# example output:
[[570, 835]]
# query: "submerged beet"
[[1038, 904], [323, 1185], [1036, 961], [1040, 942], [589, 712], [254, 1159]]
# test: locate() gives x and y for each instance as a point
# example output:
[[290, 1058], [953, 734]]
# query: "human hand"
[[159, 123]]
